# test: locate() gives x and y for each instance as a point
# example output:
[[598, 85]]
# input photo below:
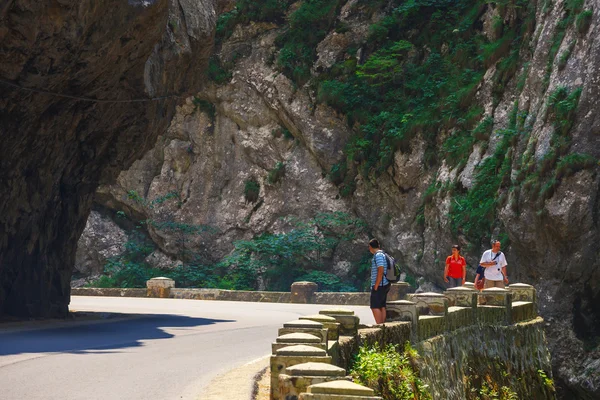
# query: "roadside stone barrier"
[[160, 287], [298, 378], [333, 327], [305, 326], [303, 292], [346, 318], [290, 356], [339, 390], [292, 339]]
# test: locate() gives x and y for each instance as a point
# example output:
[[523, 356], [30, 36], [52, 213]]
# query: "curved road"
[[168, 349]]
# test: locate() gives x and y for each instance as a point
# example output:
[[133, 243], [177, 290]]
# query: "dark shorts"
[[379, 296], [454, 282]]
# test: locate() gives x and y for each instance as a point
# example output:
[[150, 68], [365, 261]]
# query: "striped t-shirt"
[[378, 261]]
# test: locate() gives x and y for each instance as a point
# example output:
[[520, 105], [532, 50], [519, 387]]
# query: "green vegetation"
[[571, 9], [308, 25], [401, 89], [278, 259], [493, 379], [583, 21], [391, 373], [276, 173], [251, 190], [564, 56], [474, 213], [206, 107]]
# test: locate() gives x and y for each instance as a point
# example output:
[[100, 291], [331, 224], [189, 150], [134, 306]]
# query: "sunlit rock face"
[[86, 88]]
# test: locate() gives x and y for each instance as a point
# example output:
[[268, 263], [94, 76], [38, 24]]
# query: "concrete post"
[[292, 339], [523, 292], [298, 378], [403, 310], [496, 306], [333, 327], [339, 390], [290, 356], [159, 287], [430, 303], [463, 307], [305, 326], [303, 292], [461, 297], [348, 321], [398, 291]]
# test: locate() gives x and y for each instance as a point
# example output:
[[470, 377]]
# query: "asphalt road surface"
[[138, 348]]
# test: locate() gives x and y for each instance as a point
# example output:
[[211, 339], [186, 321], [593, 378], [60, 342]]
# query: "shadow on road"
[[111, 332]]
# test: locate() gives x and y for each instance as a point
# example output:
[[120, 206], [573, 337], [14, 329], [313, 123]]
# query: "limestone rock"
[[100, 240]]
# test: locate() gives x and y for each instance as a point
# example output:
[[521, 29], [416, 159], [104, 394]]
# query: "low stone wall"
[[230, 295], [511, 356], [399, 290], [110, 292]]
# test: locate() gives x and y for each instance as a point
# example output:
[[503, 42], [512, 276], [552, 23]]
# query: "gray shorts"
[[454, 282]]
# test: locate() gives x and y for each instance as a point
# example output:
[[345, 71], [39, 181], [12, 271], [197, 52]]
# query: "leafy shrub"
[[251, 190], [276, 173], [391, 374], [278, 259], [583, 21], [206, 107]]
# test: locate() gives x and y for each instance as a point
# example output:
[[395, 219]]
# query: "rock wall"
[[86, 88], [550, 241]]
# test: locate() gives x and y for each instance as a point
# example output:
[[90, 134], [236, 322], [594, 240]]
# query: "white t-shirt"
[[493, 273]]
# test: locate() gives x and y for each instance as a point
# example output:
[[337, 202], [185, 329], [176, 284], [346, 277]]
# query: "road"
[[147, 349]]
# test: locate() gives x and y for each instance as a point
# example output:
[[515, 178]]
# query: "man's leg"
[[379, 315]]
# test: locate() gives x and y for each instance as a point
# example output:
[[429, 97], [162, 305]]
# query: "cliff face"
[[79, 80], [518, 160]]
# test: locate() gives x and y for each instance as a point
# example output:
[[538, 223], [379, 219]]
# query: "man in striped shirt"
[[380, 286]]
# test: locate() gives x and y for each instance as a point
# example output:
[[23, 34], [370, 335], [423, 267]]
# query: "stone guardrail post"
[[469, 285], [305, 326], [292, 339], [339, 390], [463, 304], [433, 313], [403, 310], [461, 297], [523, 292], [159, 287], [290, 356], [348, 321], [495, 306], [333, 327], [298, 378], [430, 303], [398, 291], [303, 292]]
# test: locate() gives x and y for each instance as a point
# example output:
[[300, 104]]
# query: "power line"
[[68, 96]]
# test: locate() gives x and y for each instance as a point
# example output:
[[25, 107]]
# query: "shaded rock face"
[[57, 149], [553, 243]]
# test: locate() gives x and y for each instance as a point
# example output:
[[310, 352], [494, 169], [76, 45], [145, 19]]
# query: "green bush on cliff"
[[278, 259], [390, 373]]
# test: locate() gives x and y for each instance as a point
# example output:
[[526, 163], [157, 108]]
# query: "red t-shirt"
[[455, 270]]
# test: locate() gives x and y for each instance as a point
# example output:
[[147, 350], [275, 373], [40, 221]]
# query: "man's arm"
[[379, 278], [504, 274], [464, 267]]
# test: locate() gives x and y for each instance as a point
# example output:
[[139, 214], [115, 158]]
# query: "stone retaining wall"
[[339, 298], [109, 292]]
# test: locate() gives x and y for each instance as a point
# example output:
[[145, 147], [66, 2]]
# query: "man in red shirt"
[[455, 272]]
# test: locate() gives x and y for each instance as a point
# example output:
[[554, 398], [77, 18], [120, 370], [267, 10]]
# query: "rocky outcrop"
[[86, 89]]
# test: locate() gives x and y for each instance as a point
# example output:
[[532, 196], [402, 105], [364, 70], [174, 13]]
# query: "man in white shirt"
[[494, 262]]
